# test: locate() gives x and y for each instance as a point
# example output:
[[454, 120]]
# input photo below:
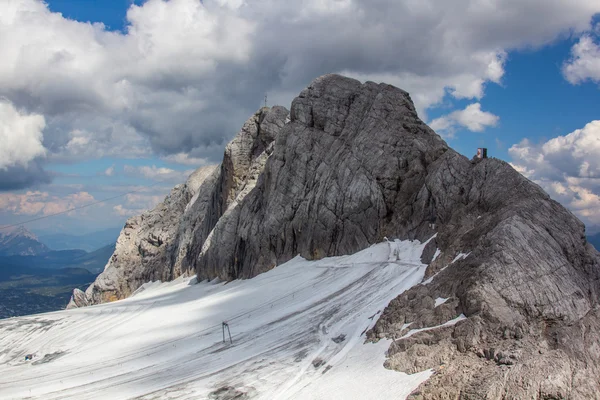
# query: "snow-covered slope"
[[298, 333]]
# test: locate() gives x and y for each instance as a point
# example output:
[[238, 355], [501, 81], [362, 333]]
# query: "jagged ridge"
[[355, 164], [158, 245]]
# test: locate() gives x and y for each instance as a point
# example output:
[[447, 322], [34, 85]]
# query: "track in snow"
[[166, 342]]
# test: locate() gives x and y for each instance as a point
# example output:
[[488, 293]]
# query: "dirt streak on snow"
[[166, 341]]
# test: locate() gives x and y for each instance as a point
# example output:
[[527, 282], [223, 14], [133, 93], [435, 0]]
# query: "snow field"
[[165, 342]]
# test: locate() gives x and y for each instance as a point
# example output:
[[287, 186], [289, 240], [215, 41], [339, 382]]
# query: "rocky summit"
[[350, 165]]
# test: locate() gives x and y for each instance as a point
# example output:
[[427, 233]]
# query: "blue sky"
[[533, 101], [111, 13], [135, 105]]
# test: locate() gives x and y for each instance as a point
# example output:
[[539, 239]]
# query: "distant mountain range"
[[34, 278], [94, 261], [20, 242], [88, 242]]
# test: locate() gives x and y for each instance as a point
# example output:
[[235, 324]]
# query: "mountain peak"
[[353, 165], [22, 231], [20, 241]]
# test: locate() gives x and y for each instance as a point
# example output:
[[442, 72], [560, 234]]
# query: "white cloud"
[[160, 174], [110, 171], [146, 85], [187, 73], [123, 212], [567, 167], [575, 155], [42, 203], [186, 159], [137, 203], [144, 201], [101, 141], [474, 119], [442, 124], [116, 189], [584, 63], [20, 136], [471, 118]]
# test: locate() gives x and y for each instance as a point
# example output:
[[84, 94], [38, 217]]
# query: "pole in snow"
[[226, 325]]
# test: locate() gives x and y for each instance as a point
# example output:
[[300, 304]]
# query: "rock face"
[[353, 164], [78, 299], [144, 248], [347, 170], [243, 163], [157, 244]]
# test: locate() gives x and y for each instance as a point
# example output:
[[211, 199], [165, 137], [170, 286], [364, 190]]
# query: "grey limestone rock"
[[78, 299], [144, 247], [344, 173], [243, 163], [159, 244], [353, 164]]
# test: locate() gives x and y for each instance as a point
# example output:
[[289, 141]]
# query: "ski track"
[[165, 342]]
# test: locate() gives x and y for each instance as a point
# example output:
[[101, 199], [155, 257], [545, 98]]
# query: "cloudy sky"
[[104, 97]]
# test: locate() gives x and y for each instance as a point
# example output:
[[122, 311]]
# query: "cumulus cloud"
[[185, 74], [100, 140], [568, 167], [96, 86], [110, 171], [124, 212], [42, 203], [471, 118], [155, 173], [137, 203], [20, 135], [584, 63], [19, 177], [186, 159]]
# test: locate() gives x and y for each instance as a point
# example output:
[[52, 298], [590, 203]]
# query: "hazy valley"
[[41, 279]]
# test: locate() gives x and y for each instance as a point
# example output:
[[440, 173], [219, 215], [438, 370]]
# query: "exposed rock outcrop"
[[78, 299], [243, 163], [354, 164], [347, 170], [143, 252], [157, 244]]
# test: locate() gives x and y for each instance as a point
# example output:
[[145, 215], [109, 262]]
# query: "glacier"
[[166, 341]]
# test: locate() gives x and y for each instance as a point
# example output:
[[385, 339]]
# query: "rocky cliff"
[[353, 164], [347, 170], [158, 244]]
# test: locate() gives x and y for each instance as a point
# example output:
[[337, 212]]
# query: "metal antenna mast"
[[265, 99]]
